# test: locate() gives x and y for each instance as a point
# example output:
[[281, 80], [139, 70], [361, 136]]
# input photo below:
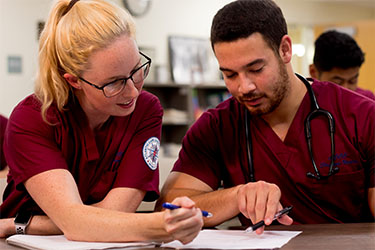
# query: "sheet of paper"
[[59, 242], [237, 239]]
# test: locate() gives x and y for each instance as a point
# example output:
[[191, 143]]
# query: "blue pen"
[[172, 206]]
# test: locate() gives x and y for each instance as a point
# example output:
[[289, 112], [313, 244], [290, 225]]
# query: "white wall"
[[18, 24], [18, 29], [175, 17], [193, 18]]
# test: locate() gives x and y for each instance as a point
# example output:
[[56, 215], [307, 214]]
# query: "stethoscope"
[[315, 111]]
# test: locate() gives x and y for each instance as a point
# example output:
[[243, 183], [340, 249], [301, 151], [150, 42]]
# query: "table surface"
[[314, 237]]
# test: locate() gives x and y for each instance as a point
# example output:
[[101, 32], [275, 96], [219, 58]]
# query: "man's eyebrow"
[[245, 66]]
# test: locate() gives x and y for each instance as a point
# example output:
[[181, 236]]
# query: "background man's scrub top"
[[98, 162], [214, 149], [366, 93]]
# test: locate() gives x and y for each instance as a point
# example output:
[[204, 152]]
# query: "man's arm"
[[180, 184], [256, 201], [371, 200]]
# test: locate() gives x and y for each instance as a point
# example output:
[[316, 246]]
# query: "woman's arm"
[[122, 199], [56, 193]]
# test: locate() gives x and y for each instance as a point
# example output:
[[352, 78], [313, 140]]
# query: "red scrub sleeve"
[[29, 143], [198, 156], [366, 131]]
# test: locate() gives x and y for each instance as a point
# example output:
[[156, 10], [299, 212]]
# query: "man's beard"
[[279, 91]]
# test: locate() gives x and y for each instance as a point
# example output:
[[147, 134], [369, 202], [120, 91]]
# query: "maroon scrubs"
[[214, 150], [99, 162], [3, 125], [366, 93]]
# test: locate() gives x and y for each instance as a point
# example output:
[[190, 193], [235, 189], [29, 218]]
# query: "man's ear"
[[72, 80], [313, 71], [285, 49]]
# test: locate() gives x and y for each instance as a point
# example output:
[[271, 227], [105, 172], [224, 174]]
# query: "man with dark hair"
[[338, 59], [279, 140]]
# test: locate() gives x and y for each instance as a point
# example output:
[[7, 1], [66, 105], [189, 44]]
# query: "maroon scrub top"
[[3, 125], [98, 162], [214, 150], [366, 93]]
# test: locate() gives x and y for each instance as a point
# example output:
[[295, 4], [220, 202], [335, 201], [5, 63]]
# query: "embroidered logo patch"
[[151, 152]]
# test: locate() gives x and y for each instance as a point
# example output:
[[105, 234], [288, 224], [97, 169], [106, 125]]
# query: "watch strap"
[[21, 222]]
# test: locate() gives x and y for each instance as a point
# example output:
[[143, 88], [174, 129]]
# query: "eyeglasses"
[[115, 87]]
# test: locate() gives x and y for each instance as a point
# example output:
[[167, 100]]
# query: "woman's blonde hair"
[[69, 37]]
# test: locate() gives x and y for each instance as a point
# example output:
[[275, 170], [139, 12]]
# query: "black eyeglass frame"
[[120, 79]]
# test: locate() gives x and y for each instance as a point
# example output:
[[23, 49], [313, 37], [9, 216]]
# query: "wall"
[[193, 18], [18, 24], [18, 29]]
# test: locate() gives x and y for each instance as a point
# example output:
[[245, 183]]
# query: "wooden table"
[[354, 236]]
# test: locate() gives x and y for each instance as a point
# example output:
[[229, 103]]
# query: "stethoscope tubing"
[[315, 111]]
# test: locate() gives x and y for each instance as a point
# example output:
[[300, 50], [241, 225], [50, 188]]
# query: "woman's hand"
[[7, 227], [183, 224]]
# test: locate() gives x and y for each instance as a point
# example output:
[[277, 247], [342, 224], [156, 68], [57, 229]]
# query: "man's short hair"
[[334, 49], [242, 18]]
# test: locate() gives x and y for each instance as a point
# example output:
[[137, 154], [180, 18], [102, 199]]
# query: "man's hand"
[[261, 201]]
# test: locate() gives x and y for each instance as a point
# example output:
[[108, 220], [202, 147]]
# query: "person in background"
[[250, 156], [338, 59], [83, 150], [3, 124]]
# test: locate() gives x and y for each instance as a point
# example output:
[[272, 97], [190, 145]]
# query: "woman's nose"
[[130, 89]]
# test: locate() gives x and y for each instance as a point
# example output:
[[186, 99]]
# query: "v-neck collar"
[[283, 150]]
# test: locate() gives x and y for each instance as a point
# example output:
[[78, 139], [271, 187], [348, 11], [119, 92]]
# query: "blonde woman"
[[83, 150]]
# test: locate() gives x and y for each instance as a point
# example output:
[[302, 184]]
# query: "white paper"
[[59, 242], [236, 239]]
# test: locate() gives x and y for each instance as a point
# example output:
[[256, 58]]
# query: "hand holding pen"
[[185, 223], [261, 223], [260, 200]]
